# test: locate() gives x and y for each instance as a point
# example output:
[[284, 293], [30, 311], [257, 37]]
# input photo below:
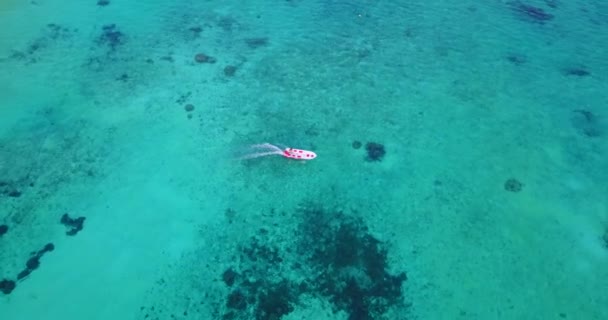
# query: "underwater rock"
[[33, 52], [11, 189], [34, 261], [516, 59], [513, 185], [184, 97], [73, 225], [229, 276], [3, 229], [375, 151], [576, 71], [111, 36], [7, 286], [14, 194], [531, 12], [203, 58], [236, 300], [227, 23], [167, 58], [56, 31], [255, 43], [103, 3], [275, 302], [229, 71], [189, 107], [587, 123], [123, 77], [356, 144], [196, 30]]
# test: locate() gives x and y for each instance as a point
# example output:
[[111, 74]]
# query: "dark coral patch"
[[333, 257], [204, 58], [123, 77], [184, 97], [73, 225], [230, 71], [3, 229], [356, 144], [275, 302], [605, 238], [7, 286], [257, 294], [236, 300], [516, 59], [111, 37], [513, 185], [189, 107], [576, 71], [255, 43], [229, 276], [375, 151], [34, 50], [34, 261], [355, 275], [587, 123], [227, 23], [56, 31], [14, 194], [264, 254], [196, 30]]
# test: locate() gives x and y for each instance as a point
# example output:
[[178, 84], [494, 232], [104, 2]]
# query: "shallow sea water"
[[461, 164]]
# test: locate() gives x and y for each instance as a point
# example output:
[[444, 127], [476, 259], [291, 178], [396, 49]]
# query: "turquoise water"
[[461, 164]]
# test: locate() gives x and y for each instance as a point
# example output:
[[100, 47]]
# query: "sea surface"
[[461, 167]]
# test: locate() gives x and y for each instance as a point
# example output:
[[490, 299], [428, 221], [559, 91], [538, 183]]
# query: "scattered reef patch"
[[7, 285], [111, 37], [577, 71], [204, 58], [227, 23], [10, 189], [34, 261], [49, 36], [375, 151], [183, 97], [351, 265], [230, 70], [334, 257], [605, 238], [517, 59], [587, 123], [73, 225], [513, 185], [255, 43]]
